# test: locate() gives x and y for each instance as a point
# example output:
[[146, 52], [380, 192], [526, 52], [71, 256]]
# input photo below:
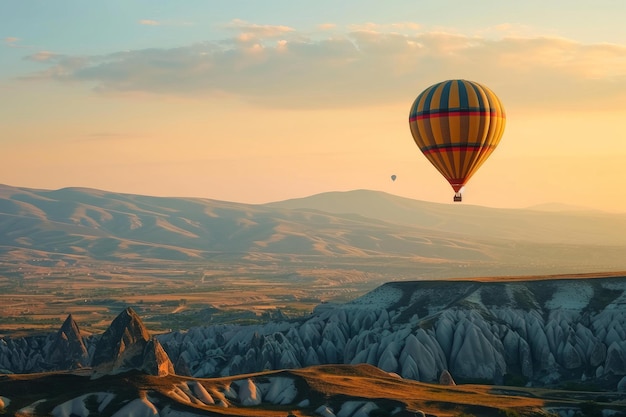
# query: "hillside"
[[558, 224], [89, 251], [105, 225], [358, 224], [536, 347]]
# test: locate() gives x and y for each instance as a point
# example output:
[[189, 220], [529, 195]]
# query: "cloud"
[[250, 31], [42, 56], [149, 22], [11, 41], [401, 27], [14, 42], [507, 30], [327, 26], [373, 64]]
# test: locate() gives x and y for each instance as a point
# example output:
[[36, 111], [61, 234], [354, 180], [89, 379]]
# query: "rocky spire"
[[126, 345], [445, 378], [155, 359], [68, 349]]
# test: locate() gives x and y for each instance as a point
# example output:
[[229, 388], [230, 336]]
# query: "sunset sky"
[[259, 101]]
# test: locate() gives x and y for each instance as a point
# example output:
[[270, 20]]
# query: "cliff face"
[[538, 332]]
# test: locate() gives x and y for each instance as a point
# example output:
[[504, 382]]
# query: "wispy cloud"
[[251, 31], [507, 30], [278, 66], [42, 56], [11, 41], [401, 27], [149, 22], [327, 26], [15, 42]]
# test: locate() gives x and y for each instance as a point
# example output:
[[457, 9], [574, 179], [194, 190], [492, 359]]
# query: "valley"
[[36, 294], [183, 262], [498, 297]]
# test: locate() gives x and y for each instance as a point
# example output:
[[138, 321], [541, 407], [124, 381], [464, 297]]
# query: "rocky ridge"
[[126, 345], [533, 332], [327, 391], [68, 349], [537, 332]]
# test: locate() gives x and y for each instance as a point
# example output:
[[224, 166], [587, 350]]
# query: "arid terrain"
[[182, 295], [184, 262], [169, 294], [522, 346], [328, 386]]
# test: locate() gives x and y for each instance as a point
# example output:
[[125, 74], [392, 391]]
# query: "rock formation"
[[155, 359], [68, 351], [63, 350], [446, 379], [126, 345], [538, 332]]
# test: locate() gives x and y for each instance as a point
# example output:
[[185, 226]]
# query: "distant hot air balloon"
[[457, 124], [393, 177]]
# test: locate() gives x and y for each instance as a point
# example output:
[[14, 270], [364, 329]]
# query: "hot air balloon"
[[393, 177], [457, 124]]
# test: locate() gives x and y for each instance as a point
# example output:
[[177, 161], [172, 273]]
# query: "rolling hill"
[[351, 225], [556, 225]]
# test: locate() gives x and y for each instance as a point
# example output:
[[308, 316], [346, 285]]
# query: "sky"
[[261, 101]]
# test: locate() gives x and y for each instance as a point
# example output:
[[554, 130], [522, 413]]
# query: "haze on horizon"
[[264, 101]]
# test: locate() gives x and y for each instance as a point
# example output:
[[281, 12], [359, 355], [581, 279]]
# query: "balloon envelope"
[[457, 124], [393, 178]]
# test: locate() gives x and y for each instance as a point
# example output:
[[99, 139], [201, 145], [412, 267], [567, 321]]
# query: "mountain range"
[[354, 227]]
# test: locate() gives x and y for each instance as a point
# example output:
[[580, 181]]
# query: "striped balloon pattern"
[[457, 124]]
